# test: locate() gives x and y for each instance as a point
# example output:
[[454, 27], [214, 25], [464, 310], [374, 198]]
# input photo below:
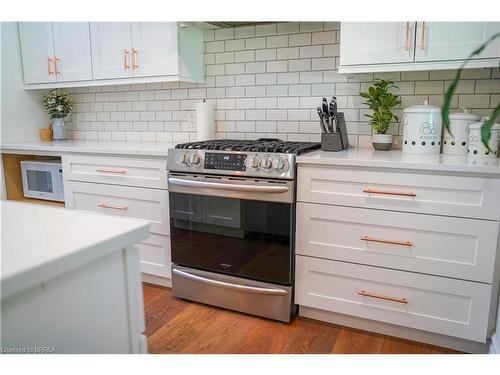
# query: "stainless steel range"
[[232, 223]]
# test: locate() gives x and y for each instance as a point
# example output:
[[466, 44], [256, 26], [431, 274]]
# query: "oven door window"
[[39, 180], [238, 237]]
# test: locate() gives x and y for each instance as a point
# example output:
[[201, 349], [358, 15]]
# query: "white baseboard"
[[157, 280], [394, 330]]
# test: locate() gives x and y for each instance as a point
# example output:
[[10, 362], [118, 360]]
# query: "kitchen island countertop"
[[40, 242]]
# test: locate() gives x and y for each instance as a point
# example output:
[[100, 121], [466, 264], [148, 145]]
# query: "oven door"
[[234, 226]]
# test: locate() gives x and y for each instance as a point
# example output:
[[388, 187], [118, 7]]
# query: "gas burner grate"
[[259, 145]]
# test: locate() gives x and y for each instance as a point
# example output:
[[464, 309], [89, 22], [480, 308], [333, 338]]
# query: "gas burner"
[[269, 145]]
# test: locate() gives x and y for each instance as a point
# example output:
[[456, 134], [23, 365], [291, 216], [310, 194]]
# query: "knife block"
[[336, 142]]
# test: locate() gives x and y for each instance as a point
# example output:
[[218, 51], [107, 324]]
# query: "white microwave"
[[43, 179]]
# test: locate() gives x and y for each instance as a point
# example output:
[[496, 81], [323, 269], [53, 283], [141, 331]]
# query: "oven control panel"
[[237, 163], [225, 161]]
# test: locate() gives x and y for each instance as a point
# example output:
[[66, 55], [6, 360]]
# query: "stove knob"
[[183, 158], [253, 162], [282, 165], [266, 164], [194, 160]]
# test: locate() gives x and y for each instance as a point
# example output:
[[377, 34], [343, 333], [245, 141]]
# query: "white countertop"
[[40, 242], [396, 159], [93, 147]]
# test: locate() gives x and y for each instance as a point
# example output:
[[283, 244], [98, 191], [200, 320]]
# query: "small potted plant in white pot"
[[59, 106], [381, 101]]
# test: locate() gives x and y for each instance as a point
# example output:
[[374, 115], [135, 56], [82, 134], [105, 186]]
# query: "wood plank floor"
[[177, 326]]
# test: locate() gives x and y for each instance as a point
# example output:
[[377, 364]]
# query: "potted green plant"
[[381, 101], [59, 106]]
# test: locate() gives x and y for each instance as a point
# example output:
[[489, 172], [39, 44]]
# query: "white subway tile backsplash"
[[278, 90], [277, 66], [234, 45], [255, 67], [244, 32], [263, 30], [299, 39], [265, 81], [265, 54], [287, 53]]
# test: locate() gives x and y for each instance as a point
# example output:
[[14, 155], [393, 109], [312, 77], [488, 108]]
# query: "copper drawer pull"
[[422, 37], [56, 59], [374, 295], [134, 59], [407, 35], [383, 192], [391, 242], [125, 61], [110, 170], [49, 61], [112, 206]]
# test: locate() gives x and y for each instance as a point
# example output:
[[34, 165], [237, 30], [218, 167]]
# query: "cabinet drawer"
[[430, 303], [154, 253], [139, 203], [438, 245], [122, 170], [462, 196]]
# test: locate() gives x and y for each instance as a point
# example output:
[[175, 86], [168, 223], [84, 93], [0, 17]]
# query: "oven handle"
[[234, 187], [241, 288]]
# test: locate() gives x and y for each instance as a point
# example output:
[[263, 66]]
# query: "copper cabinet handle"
[[407, 36], [422, 36], [56, 59], [49, 61], [134, 58], [125, 61], [112, 206], [391, 242], [379, 296], [383, 192], [111, 170]]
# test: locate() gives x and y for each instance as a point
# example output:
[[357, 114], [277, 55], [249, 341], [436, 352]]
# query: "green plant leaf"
[[445, 109], [486, 128]]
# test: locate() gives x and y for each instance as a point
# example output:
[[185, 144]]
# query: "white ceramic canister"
[[457, 142], [476, 148], [422, 129]]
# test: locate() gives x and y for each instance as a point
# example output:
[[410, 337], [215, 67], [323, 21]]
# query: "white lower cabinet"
[[154, 253], [444, 246], [125, 186], [430, 303], [407, 253], [139, 203]]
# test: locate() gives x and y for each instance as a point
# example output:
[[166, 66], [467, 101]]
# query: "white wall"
[[22, 113]]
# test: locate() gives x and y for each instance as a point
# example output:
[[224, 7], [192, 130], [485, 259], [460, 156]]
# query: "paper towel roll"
[[205, 120]]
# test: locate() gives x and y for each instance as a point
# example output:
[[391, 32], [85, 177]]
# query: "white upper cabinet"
[[377, 43], [72, 51], [393, 46], [455, 40], [55, 51], [37, 48], [154, 48], [111, 49], [77, 54]]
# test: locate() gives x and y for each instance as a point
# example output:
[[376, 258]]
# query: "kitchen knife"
[[333, 118], [325, 106], [321, 121], [333, 102]]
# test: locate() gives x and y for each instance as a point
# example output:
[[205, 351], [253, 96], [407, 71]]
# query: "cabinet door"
[[37, 48], [111, 49], [72, 51], [154, 47], [455, 40], [376, 42]]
